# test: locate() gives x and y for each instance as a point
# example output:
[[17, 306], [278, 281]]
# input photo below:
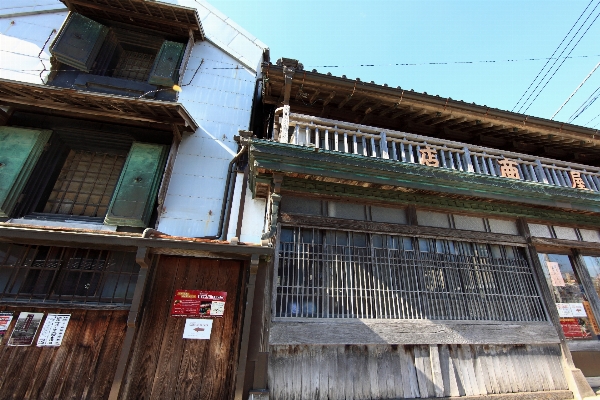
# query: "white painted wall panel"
[[253, 220], [219, 98], [23, 7], [23, 55]]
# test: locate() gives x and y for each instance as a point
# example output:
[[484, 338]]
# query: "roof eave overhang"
[[171, 19], [97, 106]]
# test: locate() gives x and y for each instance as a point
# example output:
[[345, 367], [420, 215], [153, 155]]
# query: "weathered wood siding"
[[81, 368], [164, 365], [396, 371]]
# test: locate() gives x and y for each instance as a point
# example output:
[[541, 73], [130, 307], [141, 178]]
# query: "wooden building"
[[424, 247], [119, 163]]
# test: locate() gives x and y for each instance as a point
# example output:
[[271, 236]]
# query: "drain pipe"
[[226, 195]]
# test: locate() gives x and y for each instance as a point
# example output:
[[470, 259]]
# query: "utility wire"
[[563, 61], [555, 61], [575, 91], [586, 104], [551, 57]]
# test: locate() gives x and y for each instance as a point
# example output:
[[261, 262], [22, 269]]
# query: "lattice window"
[[85, 184], [134, 65], [60, 274], [339, 274]]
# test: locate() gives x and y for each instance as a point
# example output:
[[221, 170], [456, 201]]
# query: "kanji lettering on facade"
[[576, 181], [429, 157], [508, 169]]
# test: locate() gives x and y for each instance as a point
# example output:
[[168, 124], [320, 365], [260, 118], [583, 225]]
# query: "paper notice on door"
[[564, 310], [555, 275], [53, 330], [197, 328], [25, 329]]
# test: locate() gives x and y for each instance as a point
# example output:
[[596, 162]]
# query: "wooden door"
[[166, 366]]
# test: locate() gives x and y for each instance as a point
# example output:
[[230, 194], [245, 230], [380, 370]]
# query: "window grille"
[[66, 275], [85, 184], [134, 65], [339, 274]]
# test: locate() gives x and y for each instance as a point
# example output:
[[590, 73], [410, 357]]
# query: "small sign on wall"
[[53, 330], [198, 303], [25, 329], [197, 328], [5, 320]]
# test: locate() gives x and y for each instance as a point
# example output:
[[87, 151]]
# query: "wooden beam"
[[329, 98], [373, 107], [314, 96], [343, 102], [388, 110], [360, 103]]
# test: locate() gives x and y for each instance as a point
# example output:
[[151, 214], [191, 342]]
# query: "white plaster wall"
[[23, 56], [219, 98], [24, 7]]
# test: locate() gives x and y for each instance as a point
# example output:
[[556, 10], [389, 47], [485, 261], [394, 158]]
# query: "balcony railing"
[[404, 147]]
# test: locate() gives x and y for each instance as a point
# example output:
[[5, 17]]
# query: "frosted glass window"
[[389, 215], [346, 210], [469, 223], [430, 218], [563, 232], [589, 235], [503, 226], [540, 230], [300, 205]]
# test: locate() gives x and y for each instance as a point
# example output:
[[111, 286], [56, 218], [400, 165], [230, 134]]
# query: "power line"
[[551, 57], [584, 106], [555, 61], [575, 91], [563, 61]]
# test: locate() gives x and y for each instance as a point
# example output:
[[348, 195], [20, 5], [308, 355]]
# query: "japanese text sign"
[[198, 303]]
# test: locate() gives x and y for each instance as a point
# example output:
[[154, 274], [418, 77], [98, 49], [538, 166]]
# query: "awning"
[[96, 106], [175, 21]]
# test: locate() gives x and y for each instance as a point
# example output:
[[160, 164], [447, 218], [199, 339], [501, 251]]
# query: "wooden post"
[[241, 371], [467, 156], [383, 146], [288, 73], [142, 258]]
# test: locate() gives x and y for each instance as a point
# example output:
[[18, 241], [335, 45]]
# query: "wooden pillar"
[[576, 381], [250, 289], [142, 258], [288, 73]]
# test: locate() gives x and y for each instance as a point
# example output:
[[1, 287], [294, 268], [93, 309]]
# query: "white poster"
[[578, 310], [53, 330], [197, 328], [555, 275], [564, 310]]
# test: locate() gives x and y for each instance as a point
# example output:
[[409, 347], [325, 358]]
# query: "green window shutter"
[[19, 151], [135, 193], [79, 42], [165, 69]]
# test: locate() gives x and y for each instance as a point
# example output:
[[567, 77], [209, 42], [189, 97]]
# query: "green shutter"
[[135, 194], [79, 42], [19, 151], [165, 71]]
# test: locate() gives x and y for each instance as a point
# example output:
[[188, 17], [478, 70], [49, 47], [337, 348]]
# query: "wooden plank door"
[[166, 366]]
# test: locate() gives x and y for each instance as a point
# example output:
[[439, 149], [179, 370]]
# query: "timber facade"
[[120, 159], [424, 247]]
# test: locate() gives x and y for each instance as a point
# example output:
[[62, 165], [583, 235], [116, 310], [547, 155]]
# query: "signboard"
[[5, 319], [578, 310], [197, 328], [555, 275], [25, 329], [564, 310], [53, 330], [198, 303], [574, 328]]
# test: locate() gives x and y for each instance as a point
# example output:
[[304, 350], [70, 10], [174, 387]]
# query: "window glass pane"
[[593, 266], [571, 302]]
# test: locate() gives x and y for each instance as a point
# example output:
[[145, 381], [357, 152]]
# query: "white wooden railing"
[[404, 147]]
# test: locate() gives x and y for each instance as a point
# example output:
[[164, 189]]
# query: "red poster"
[[198, 303], [573, 329]]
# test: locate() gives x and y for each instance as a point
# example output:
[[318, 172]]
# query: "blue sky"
[[383, 33]]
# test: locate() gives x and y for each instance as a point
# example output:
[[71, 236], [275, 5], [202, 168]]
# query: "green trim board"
[[332, 165]]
